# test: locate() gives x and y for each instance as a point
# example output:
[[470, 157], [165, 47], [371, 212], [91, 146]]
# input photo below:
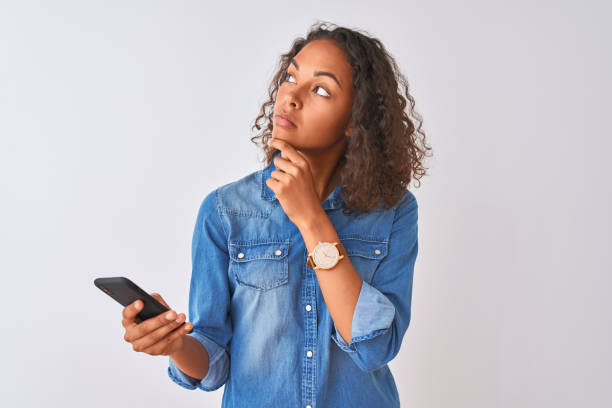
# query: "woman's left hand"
[[293, 184]]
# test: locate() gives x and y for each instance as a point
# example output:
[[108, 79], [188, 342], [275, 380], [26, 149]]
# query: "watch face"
[[325, 255]]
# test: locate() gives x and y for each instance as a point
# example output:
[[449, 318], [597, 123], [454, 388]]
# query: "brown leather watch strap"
[[341, 249], [310, 262]]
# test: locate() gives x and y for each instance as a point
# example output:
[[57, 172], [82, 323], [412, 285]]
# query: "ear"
[[348, 130]]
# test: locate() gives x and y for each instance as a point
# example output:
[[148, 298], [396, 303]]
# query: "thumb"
[[160, 299]]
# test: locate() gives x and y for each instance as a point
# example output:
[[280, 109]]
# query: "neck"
[[325, 184], [326, 169]]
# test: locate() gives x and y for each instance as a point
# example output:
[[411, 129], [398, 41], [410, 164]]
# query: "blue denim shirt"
[[259, 312]]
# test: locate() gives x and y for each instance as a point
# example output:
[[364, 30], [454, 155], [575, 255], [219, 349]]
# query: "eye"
[[327, 93], [287, 75]]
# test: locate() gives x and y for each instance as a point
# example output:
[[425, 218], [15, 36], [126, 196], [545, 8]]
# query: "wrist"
[[181, 348], [313, 221]]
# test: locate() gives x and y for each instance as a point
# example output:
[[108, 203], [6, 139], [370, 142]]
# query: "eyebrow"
[[319, 73]]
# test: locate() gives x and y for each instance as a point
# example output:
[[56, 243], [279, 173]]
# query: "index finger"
[[287, 151], [147, 326]]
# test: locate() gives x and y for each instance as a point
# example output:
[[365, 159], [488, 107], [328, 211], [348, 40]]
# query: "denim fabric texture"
[[259, 312]]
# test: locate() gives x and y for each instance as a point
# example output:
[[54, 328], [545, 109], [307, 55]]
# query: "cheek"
[[325, 119], [280, 95]]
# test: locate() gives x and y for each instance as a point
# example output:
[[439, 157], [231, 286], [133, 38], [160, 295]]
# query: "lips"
[[284, 121]]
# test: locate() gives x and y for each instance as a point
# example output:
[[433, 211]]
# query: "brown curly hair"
[[384, 151]]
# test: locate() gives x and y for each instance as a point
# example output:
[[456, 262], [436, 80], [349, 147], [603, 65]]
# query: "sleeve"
[[382, 313], [209, 298]]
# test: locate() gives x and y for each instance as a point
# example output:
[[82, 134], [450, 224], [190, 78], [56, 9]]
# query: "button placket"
[[310, 344]]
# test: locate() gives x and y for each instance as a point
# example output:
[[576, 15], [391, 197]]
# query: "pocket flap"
[[366, 248], [249, 251]]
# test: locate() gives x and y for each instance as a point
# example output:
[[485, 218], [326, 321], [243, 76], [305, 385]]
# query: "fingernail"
[[137, 304], [178, 320], [169, 316]]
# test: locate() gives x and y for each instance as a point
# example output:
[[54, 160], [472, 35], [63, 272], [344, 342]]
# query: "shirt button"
[[241, 255], [377, 251], [309, 353], [278, 252], [308, 308]]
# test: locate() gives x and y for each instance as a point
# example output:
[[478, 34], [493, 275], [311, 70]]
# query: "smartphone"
[[127, 292]]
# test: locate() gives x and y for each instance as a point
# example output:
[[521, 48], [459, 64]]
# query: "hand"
[[293, 184], [159, 335]]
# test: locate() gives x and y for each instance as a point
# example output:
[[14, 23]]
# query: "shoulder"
[[407, 207], [408, 200]]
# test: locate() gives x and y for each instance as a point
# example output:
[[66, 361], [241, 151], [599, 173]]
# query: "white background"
[[118, 117]]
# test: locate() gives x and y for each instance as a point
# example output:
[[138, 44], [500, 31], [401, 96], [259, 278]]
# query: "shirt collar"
[[332, 202]]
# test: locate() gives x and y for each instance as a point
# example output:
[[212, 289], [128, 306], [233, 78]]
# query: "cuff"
[[218, 369], [373, 316]]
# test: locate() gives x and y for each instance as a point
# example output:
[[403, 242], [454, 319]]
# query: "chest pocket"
[[365, 254], [260, 265]]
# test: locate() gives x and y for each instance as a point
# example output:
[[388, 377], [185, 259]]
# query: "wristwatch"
[[326, 255]]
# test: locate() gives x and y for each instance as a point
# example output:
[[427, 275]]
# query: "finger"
[[273, 184], [130, 312], [303, 156], [288, 151], [286, 166], [163, 344], [156, 335], [280, 176], [180, 332], [160, 299], [150, 325], [128, 324]]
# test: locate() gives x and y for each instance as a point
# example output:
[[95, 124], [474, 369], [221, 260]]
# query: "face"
[[316, 95]]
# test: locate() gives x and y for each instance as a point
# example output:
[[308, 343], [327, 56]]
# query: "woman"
[[293, 302]]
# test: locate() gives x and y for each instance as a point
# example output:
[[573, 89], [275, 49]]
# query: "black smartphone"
[[126, 292]]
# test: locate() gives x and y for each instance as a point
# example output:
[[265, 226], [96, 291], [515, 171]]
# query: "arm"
[[375, 318], [203, 361], [339, 285], [192, 359]]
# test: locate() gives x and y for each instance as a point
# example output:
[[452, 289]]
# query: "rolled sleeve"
[[217, 370], [383, 309], [373, 316], [209, 298]]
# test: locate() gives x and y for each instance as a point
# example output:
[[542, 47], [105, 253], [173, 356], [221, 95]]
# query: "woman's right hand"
[[159, 335]]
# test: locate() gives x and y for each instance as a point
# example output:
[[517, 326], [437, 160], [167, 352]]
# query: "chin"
[[280, 135]]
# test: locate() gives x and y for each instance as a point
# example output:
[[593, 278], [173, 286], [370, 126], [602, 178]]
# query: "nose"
[[292, 99]]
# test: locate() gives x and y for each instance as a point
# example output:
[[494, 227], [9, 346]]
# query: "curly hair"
[[384, 151]]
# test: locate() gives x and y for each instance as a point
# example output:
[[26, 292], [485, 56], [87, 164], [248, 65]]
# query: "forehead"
[[324, 55]]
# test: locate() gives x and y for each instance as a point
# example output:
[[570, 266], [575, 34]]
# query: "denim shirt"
[[259, 312]]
